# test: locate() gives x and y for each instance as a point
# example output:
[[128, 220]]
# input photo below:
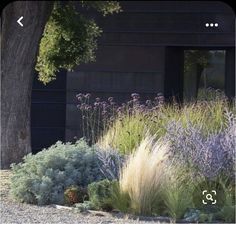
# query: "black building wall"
[[48, 112]]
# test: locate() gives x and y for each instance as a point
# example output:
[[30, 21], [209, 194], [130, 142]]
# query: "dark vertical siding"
[[174, 70], [48, 112], [230, 72]]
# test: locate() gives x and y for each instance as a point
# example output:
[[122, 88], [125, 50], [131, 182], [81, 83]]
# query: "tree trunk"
[[19, 48]]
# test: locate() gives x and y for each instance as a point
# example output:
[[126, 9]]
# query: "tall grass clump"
[[130, 125], [103, 121], [125, 134], [141, 176], [177, 190]]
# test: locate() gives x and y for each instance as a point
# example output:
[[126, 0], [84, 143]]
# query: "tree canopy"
[[70, 38]]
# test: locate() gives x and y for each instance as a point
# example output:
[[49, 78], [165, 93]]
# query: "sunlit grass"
[[141, 177], [126, 133]]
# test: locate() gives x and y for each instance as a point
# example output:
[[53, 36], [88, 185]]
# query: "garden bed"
[[151, 162], [14, 212]]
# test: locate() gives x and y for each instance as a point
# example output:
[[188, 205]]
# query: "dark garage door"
[[48, 112]]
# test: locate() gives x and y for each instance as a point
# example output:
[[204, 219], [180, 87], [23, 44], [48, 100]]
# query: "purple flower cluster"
[[98, 115], [211, 154]]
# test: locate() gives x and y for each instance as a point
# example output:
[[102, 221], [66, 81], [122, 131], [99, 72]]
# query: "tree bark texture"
[[19, 48]]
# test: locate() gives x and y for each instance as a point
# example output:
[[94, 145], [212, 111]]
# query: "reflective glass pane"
[[204, 72]]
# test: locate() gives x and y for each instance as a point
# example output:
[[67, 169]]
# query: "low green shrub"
[[100, 194], [43, 178], [84, 206]]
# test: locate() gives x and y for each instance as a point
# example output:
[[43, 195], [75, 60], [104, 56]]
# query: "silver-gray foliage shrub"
[[42, 178], [210, 154]]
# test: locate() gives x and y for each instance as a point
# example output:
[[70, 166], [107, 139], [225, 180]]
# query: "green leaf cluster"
[[43, 178], [100, 194], [196, 57], [69, 38], [104, 7]]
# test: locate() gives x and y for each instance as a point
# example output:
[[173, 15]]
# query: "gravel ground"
[[14, 212]]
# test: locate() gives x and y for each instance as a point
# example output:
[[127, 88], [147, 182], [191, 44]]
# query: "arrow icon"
[[19, 21]]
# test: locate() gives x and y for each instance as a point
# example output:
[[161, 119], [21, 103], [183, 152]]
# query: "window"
[[204, 73]]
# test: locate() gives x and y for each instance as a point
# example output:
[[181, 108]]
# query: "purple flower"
[[104, 112], [110, 99], [135, 101], [82, 106], [161, 98], [80, 95], [97, 99], [88, 95], [135, 95], [119, 109], [159, 94], [88, 107]]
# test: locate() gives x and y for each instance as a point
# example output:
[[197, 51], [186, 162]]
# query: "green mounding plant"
[[100, 194], [141, 176], [84, 206]]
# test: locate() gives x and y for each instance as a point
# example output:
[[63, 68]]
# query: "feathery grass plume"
[[141, 177]]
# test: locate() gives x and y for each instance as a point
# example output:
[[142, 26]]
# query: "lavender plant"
[[210, 154], [111, 163]]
